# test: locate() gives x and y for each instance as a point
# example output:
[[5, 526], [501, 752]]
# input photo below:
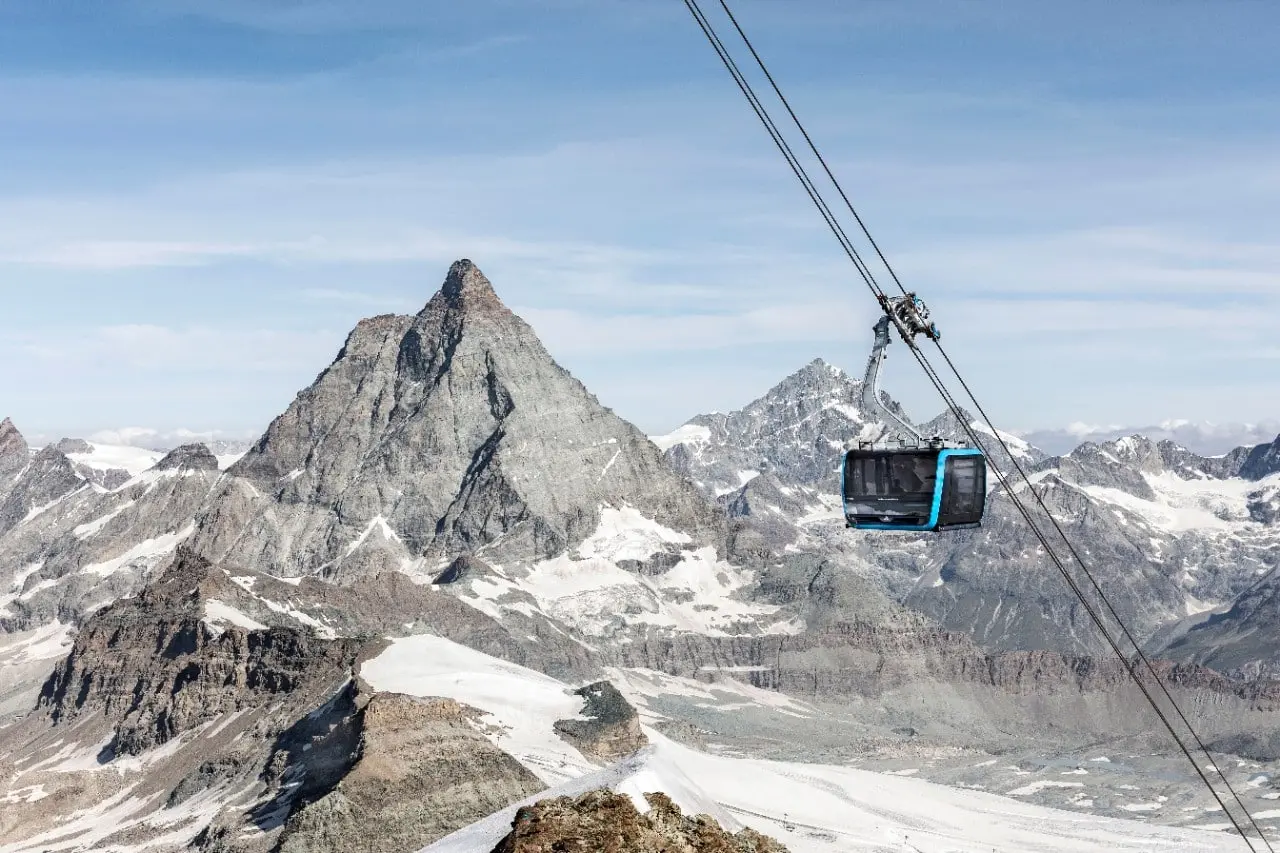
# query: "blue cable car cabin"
[[914, 488]]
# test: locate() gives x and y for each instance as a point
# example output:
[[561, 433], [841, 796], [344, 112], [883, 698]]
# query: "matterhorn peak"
[[438, 435], [465, 288]]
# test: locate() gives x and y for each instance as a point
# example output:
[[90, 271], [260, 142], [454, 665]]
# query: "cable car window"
[[895, 484], [964, 491]]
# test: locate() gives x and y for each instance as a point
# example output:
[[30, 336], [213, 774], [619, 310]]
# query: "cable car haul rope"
[[927, 483]]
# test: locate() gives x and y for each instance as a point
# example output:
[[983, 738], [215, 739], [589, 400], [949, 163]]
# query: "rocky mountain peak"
[[14, 454], [74, 445], [1262, 461], [465, 288], [11, 441], [49, 476], [188, 457], [437, 435]]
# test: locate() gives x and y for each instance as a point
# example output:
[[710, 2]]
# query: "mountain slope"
[[1165, 537], [811, 808], [450, 431], [1168, 533], [797, 431], [81, 548]]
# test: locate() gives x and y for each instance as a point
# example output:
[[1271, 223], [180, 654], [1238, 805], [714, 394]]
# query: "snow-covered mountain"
[[1202, 437], [70, 545], [1168, 533], [234, 657], [453, 430]]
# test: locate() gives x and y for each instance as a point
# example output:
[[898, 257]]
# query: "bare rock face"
[[463, 568], [49, 476], [422, 771], [612, 728], [188, 457], [155, 666], [436, 435], [604, 822], [73, 445], [11, 441], [107, 478], [14, 455], [1262, 461], [797, 431]]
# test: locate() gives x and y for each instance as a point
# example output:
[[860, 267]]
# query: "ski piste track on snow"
[[868, 278]]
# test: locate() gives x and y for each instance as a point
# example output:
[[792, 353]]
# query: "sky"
[[200, 198]]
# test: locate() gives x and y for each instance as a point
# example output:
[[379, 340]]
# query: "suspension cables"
[[868, 278]]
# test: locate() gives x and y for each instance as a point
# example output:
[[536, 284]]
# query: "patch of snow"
[[29, 794], [148, 549], [1018, 447], [226, 460], [84, 531], [379, 523], [43, 508], [808, 807], [150, 478], [521, 703], [687, 434], [1039, 785], [591, 592], [104, 457], [218, 612], [15, 587], [322, 630], [609, 464], [41, 644]]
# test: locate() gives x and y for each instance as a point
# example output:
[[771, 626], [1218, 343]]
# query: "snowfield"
[[104, 457], [589, 590], [809, 808]]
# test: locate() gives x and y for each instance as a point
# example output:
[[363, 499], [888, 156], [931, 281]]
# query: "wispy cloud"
[[162, 349], [1116, 249]]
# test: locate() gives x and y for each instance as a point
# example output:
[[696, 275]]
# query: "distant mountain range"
[[314, 639], [1207, 439]]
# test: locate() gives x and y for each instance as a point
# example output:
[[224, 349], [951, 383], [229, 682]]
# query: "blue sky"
[[199, 199]]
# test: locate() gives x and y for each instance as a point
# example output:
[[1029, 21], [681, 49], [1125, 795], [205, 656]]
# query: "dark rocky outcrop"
[[1262, 461], [611, 730], [14, 455], [188, 457], [73, 445], [604, 822], [421, 770], [464, 567], [153, 665]]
